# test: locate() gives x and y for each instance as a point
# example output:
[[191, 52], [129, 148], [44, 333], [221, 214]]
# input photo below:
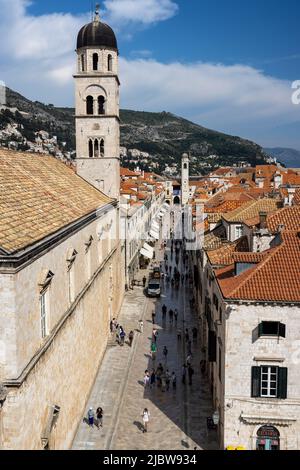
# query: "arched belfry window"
[[185, 166], [91, 148], [89, 105], [96, 148], [102, 148], [82, 62], [109, 63], [101, 101], [95, 61]]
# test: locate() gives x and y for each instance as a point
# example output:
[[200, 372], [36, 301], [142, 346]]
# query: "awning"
[[155, 226], [148, 247], [154, 234], [146, 253], [275, 421]]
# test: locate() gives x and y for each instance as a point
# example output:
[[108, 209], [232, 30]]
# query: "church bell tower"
[[185, 184], [97, 107]]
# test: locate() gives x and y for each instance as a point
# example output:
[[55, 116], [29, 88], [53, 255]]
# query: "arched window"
[[96, 148], [89, 105], [91, 149], [102, 148], [109, 63], [82, 62], [185, 166], [101, 102], [95, 61]]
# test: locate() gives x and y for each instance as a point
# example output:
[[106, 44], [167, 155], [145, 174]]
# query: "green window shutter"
[[260, 329], [282, 383], [255, 381], [282, 330]]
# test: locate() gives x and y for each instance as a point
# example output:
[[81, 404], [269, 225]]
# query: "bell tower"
[[185, 185], [97, 107]]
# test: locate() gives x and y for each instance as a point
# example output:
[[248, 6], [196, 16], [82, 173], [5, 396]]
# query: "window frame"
[[44, 313]]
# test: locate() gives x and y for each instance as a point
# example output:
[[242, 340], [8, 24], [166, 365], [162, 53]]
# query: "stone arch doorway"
[[268, 438], [176, 200]]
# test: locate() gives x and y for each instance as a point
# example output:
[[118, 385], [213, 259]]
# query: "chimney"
[[262, 220]]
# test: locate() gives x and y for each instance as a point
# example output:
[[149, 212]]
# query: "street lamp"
[[216, 418]]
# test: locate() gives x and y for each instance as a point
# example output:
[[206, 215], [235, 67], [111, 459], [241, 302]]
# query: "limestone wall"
[[65, 372]]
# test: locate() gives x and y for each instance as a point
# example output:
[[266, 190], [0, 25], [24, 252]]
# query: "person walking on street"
[[153, 317], [163, 382], [153, 351], [91, 417], [171, 313], [144, 281], [141, 326], [122, 336], [99, 414], [165, 353], [179, 334], [173, 379], [130, 337], [154, 335], [168, 379], [152, 379], [176, 316], [146, 418], [189, 360], [146, 379], [190, 374], [184, 373]]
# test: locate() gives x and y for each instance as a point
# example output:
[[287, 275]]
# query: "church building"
[[61, 275]]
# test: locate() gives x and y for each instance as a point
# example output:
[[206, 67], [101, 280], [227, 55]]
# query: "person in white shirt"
[[141, 326], [146, 417]]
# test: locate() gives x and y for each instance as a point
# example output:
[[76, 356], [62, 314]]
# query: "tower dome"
[[97, 34]]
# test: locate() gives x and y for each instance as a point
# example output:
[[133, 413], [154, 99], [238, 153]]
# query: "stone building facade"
[[61, 266]]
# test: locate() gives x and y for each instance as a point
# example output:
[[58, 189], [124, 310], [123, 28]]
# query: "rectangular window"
[[238, 231], [269, 379], [271, 328], [269, 382], [43, 313]]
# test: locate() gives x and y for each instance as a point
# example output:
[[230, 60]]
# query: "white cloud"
[[139, 11], [37, 58]]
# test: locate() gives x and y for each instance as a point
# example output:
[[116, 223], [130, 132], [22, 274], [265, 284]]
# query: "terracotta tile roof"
[[214, 218], [291, 178], [296, 199], [40, 195], [248, 257], [223, 255], [288, 216], [251, 209], [226, 206], [276, 278], [215, 238], [127, 172]]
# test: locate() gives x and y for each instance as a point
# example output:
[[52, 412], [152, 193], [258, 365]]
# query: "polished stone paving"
[[177, 418]]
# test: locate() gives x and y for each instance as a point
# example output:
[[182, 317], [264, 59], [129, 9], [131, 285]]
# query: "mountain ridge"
[[164, 136]]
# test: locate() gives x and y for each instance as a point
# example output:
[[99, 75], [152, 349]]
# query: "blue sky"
[[226, 64]]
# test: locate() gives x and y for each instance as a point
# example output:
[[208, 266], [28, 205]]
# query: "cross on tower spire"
[[97, 13]]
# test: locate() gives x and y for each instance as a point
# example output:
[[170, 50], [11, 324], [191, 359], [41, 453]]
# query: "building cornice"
[[12, 263], [97, 116], [97, 75]]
